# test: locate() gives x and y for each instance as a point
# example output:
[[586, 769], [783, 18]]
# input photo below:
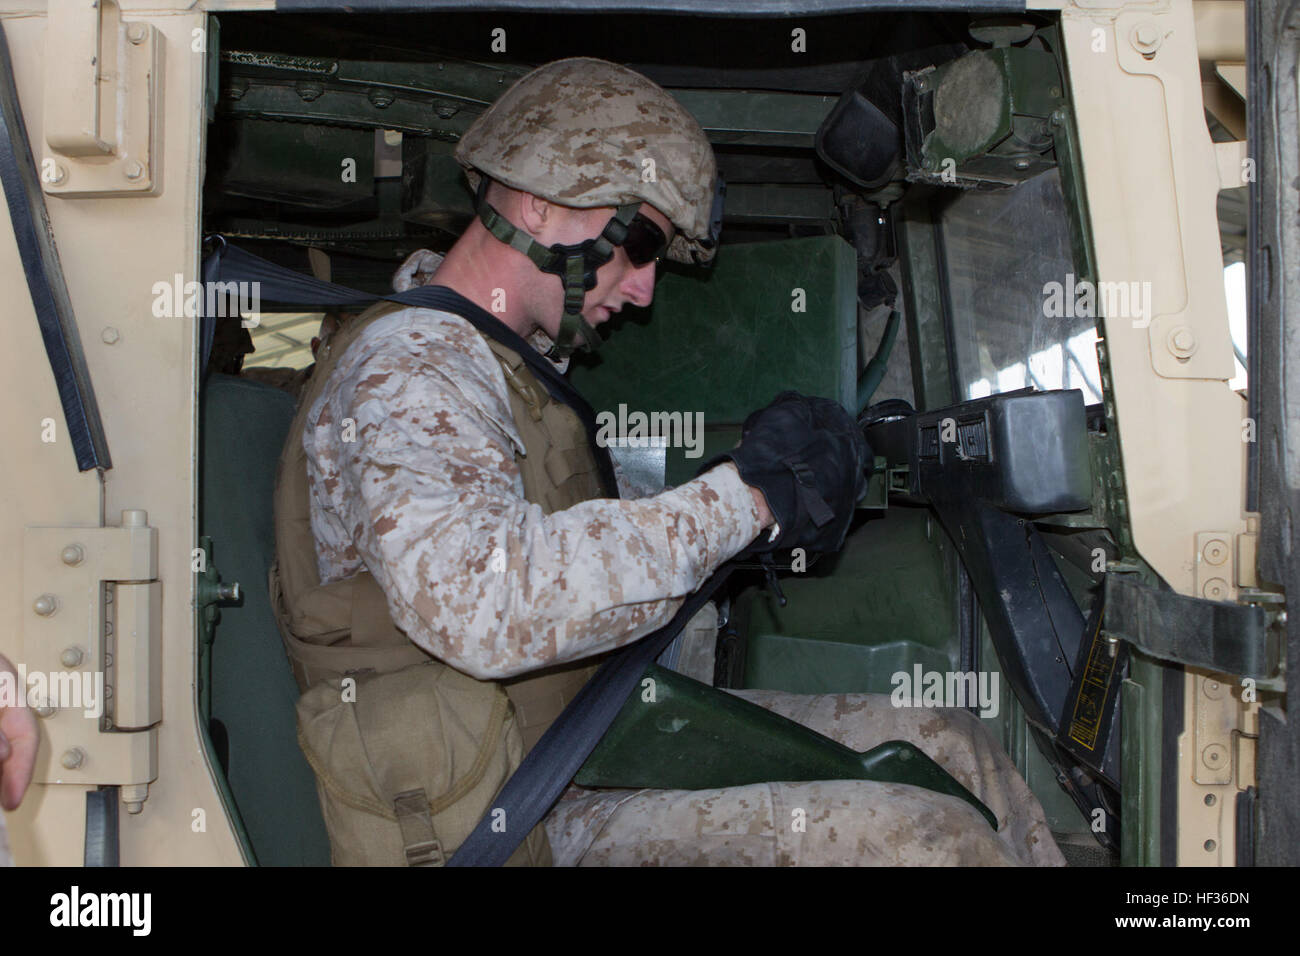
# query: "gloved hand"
[[809, 458]]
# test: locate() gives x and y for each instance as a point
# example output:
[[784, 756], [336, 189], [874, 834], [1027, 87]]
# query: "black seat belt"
[[549, 767], [102, 841]]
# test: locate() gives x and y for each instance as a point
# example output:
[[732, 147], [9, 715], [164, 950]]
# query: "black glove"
[[809, 458]]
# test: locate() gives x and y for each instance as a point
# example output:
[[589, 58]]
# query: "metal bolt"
[[1181, 341], [1211, 799], [1146, 38], [1214, 756], [381, 99], [72, 555], [109, 335], [1216, 589], [445, 110], [1054, 91], [136, 32], [72, 657], [45, 605], [133, 797], [133, 169], [1112, 644], [1021, 164], [1215, 551], [42, 708], [134, 518], [228, 592], [59, 177], [1212, 689], [310, 91], [72, 759], [1210, 845]]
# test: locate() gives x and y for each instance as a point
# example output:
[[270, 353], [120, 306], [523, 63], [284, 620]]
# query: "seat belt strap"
[[228, 263], [45, 282], [102, 846], [549, 767]]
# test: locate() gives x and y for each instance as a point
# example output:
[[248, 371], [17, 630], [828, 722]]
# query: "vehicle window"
[[1013, 289], [282, 339]]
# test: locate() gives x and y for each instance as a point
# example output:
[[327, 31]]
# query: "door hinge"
[[92, 653]]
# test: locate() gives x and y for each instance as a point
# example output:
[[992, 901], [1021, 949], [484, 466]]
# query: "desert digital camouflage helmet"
[[586, 133]]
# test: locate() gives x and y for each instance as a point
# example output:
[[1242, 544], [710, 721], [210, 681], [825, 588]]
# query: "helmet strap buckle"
[[575, 264]]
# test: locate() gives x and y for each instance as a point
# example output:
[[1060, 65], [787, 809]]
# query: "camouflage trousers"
[[844, 822]]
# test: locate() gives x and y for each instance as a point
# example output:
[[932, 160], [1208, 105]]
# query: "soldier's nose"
[[639, 287]]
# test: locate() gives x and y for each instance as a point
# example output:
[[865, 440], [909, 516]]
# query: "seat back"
[[243, 426]]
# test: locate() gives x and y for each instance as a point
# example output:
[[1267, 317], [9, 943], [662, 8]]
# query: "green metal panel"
[[1144, 727], [883, 604], [677, 733], [757, 117], [923, 279], [296, 163], [805, 666], [727, 340], [441, 98], [679, 468], [1010, 728], [779, 203]]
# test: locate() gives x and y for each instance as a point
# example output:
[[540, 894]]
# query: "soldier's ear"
[[535, 212]]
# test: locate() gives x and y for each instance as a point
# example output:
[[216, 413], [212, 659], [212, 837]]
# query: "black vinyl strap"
[[45, 283], [549, 767], [275, 283], [102, 845], [445, 299]]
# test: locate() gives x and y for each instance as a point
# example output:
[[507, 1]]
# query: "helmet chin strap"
[[572, 324], [575, 264]]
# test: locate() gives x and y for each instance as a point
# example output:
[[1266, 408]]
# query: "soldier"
[[445, 458]]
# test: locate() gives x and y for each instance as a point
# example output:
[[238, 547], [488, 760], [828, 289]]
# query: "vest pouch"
[[318, 649], [407, 763]]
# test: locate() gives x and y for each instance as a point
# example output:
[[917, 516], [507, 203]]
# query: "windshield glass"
[[1019, 317]]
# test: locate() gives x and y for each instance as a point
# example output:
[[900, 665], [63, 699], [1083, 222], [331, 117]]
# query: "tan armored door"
[[98, 563]]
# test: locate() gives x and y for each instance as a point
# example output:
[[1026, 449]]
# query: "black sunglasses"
[[645, 242]]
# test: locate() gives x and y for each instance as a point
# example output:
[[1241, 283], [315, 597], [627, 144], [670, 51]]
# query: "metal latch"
[[1215, 635], [103, 91], [92, 653]]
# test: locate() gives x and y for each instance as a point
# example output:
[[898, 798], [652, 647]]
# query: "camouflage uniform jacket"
[[427, 496]]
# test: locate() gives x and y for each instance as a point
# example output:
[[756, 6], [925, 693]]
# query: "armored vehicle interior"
[[900, 191]]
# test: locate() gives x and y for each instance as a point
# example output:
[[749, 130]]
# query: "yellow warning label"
[[1085, 722]]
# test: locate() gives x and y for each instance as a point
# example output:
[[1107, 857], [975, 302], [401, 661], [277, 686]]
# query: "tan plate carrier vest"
[[409, 752]]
